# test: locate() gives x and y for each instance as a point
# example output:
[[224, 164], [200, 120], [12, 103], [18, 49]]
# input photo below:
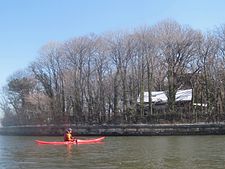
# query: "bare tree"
[[48, 70], [79, 54], [178, 46]]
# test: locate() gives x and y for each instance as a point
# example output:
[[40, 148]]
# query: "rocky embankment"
[[118, 130]]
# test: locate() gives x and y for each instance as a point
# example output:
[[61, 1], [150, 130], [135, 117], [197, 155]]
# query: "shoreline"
[[117, 130]]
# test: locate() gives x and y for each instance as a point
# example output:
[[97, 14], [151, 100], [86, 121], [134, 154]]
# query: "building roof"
[[160, 96]]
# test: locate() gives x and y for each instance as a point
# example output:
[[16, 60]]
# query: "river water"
[[167, 152]]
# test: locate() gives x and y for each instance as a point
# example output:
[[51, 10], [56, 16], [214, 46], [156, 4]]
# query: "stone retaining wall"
[[117, 130]]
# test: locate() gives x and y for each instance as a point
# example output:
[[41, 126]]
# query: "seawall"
[[118, 130]]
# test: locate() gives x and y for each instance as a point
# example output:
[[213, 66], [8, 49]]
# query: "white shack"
[[159, 98]]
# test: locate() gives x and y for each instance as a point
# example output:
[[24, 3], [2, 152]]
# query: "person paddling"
[[68, 135]]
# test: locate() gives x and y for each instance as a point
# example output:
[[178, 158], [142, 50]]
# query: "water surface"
[[180, 152]]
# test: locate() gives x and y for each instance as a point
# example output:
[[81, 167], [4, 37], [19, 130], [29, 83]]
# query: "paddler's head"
[[69, 130]]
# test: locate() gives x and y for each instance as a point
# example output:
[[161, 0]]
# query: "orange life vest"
[[68, 137]]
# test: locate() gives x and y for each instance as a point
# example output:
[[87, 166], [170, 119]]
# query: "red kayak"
[[88, 141]]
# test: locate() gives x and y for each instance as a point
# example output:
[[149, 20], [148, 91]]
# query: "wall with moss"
[[116, 130]]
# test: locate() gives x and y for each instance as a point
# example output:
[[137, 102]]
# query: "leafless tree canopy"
[[97, 79]]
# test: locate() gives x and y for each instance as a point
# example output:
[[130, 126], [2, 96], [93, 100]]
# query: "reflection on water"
[[182, 152], [69, 151]]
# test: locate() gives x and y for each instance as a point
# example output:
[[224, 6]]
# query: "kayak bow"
[[88, 141]]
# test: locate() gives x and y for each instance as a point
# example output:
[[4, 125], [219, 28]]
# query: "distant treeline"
[[96, 79]]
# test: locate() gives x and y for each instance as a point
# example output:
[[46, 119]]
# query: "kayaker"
[[68, 135]]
